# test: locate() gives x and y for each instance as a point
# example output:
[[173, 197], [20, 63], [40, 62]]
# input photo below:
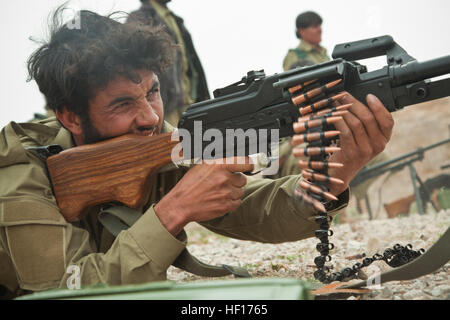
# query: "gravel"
[[295, 259], [386, 293]]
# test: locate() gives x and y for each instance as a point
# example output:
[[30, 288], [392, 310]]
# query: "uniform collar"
[[306, 47], [167, 127], [160, 9], [64, 139]]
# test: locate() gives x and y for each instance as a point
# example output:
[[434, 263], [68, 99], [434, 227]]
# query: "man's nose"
[[146, 116]]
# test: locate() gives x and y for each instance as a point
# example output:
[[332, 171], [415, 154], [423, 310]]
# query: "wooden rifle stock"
[[118, 169]]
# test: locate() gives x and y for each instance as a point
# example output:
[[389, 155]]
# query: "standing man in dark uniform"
[[309, 51], [185, 82]]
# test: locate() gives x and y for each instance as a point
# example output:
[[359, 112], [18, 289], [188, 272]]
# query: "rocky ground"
[[295, 259]]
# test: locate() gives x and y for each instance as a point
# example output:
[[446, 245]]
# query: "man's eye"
[[123, 105]]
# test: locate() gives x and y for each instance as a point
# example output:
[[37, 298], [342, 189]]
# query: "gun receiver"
[[256, 102]]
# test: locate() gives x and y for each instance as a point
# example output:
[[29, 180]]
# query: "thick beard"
[[90, 133]]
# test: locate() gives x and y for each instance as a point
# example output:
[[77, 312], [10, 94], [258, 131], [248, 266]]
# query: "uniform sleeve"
[[46, 251], [270, 214], [289, 60]]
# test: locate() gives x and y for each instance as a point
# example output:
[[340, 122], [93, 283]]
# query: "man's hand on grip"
[[207, 191]]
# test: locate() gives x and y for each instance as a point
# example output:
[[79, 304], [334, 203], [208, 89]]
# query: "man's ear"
[[300, 32], [70, 121]]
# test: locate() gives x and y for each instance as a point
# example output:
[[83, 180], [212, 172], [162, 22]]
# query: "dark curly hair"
[[81, 58]]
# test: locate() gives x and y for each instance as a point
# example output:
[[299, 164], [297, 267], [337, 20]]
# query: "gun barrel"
[[302, 75], [416, 71]]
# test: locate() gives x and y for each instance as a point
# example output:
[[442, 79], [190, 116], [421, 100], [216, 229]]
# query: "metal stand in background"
[[369, 209], [395, 165], [414, 177]]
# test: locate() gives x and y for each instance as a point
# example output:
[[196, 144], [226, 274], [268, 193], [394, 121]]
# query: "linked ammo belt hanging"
[[433, 259], [316, 102]]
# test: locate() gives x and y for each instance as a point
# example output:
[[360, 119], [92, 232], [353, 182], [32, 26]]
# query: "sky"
[[231, 37]]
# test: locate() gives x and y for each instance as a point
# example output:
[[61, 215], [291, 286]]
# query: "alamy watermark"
[[75, 22], [231, 146], [374, 281], [74, 281]]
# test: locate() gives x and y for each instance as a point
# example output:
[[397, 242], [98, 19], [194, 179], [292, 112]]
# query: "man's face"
[[312, 34], [124, 106]]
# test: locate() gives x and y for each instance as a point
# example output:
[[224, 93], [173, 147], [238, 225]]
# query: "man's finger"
[[346, 136], [238, 164], [382, 115], [233, 204], [359, 132], [368, 120], [238, 179], [236, 193]]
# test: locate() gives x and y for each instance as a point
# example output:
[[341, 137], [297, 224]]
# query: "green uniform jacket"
[[37, 245], [305, 55]]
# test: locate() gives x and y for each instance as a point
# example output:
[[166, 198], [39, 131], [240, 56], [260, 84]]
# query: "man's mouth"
[[147, 131]]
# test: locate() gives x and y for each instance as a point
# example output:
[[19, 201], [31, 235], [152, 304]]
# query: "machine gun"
[[397, 164], [268, 102], [256, 102]]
